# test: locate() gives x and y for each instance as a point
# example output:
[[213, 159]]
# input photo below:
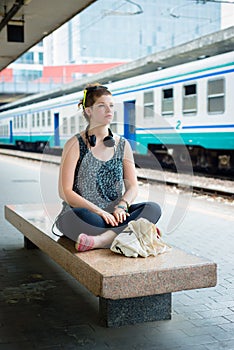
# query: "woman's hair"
[[91, 93]]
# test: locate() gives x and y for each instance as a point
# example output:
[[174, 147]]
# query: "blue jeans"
[[81, 220]]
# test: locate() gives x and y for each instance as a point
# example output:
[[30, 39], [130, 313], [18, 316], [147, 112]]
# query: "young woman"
[[97, 181]]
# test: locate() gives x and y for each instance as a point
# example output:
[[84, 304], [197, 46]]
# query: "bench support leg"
[[28, 244], [115, 313]]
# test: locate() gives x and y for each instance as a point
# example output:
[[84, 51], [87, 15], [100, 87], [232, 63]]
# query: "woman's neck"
[[98, 131]]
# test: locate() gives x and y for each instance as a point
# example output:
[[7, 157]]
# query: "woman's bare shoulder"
[[71, 146], [72, 142]]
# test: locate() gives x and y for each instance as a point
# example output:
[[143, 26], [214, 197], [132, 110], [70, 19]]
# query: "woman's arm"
[[129, 173], [131, 185], [70, 156]]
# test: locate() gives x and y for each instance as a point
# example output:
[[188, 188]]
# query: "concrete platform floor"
[[42, 307]]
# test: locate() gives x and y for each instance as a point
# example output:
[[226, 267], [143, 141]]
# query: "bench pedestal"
[[116, 313]]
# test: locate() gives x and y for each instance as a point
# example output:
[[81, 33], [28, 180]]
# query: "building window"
[[148, 104], [190, 99], [167, 102], [216, 96], [40, 57], [23, 74], [27, 58]]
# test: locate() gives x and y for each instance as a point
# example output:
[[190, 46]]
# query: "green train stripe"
[[214, 140]]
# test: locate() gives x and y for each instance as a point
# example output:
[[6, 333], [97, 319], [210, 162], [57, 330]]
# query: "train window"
[[113, 125], [190, 99], [82, 122], [167, 102], [64, 126], [4, 130], [38, 119], [25, 121], [49, 118], [43, 119], [216, 96], [18, 122], [21, 121], [33, 120], [73, 125], [148, 104], [14, 123]]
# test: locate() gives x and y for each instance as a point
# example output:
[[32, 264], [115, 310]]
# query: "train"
[[177, 114]]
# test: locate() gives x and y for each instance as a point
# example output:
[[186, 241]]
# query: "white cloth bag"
[[140, 237]]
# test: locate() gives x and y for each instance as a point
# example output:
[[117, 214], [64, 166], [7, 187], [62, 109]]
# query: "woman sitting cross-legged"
[[97, 180]]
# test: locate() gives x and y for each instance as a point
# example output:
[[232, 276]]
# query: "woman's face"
[[102, 111]]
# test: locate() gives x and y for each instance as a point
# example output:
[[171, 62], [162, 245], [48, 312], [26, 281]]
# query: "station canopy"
[[24, 23]]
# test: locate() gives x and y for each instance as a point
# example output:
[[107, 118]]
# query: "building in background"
[[111, 31]]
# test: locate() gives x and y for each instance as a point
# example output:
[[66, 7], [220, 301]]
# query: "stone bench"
[[130, 290]]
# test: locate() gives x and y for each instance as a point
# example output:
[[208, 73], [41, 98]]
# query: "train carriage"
[[171, 113], [190, 105]]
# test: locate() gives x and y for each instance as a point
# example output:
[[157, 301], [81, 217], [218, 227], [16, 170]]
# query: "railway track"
[[202, 185], [199, 189]]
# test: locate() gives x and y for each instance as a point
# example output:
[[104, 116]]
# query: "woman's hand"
[[109, 218], [120, 214]]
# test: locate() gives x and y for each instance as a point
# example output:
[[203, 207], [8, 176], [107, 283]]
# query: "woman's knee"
[[153, 210], [89, 219]]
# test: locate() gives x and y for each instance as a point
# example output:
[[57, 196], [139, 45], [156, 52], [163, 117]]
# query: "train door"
[[56, 130], [130, 122], [10, 131]]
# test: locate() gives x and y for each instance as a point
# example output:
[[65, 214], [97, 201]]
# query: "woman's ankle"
[[108, 238], [104, 240]]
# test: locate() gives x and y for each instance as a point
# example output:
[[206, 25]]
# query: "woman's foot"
[[84, 243]]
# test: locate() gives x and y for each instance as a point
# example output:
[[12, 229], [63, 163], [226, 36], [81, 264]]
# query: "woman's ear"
[[88, 111]]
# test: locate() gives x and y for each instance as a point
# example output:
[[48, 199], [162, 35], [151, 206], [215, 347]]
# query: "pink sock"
[[84, 243]]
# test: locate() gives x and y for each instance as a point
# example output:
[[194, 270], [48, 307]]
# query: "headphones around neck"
[[108, 141]]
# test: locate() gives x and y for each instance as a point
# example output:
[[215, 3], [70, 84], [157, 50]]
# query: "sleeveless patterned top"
[[100, 182]]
